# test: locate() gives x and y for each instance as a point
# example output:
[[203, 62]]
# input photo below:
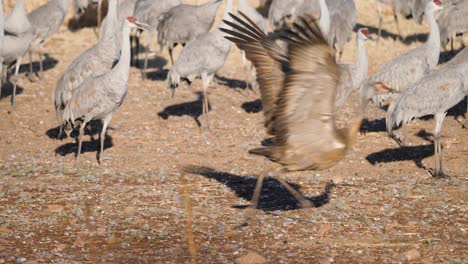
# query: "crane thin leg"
[[170, 55], [438, 171], [250, 211], [15, 80], [405, 135], [206, 83], [80, 139], [41, 66], [102, 136], [395, 16], [1, 76], [98, 27], [31, 71], [466, 114]]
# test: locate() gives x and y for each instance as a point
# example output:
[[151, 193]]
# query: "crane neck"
[[434, 35], [123, 66], [324, 21], [110, 27], [362, 59], [226, 16]]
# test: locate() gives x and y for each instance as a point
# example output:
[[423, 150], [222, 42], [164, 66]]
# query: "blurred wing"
[[268, 58], [305, 111]]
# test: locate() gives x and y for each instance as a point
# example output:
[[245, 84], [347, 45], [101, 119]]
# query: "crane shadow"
[[88, 146], [420, 37], [47, 64], [92, 129], [193, 109], [273, 196], [377, 125], [414, 153], [7, 89], [253, 106], [231, 83], [446, 56]]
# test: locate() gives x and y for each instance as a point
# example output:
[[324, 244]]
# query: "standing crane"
[[184, 23], [45, 20], [343, 16], [149, 12], [93, 62], [453, 21], [16, 41], [461, 58], [402, 7], [202, 57], [434, 95], [98, 98], [406, 69], [298, 92], [354, 76]]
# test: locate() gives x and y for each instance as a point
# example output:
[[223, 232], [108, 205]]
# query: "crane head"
[[132, 21], [364, 34]]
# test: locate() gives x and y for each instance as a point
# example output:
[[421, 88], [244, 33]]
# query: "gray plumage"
[[95, 61], [283, 12], [16, 41], [126, 8], [461, 57], [343, 16], [149, 12], [353, 76], [184, 23], [434, 95], [45, 20], [202, 57], [453, 20], [406, 69], [97, 98]]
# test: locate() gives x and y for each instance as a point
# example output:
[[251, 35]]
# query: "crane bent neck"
[[434, 35], [123, 66]]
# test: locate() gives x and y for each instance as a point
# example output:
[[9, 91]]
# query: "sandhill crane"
[[283, 12], [298, 93], [184, 23], [402, 7], [343, 16], [45, 20], [453, 20], [97, 98], [149, 12], [409, 67], [95, 61], [461, 58], [354, 76], [17, 40], [434, 95], [202, 57]]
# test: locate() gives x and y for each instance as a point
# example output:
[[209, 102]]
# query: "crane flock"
[[301, 83]]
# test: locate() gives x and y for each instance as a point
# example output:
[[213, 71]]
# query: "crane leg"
[[466, 114], [206, 83], [405, 134], [31, 72], [170, 55], [80, 139], [41, 66], [395, 16], [438, 171], [15, 80], [137, 47], [250, 211], [105, 123]]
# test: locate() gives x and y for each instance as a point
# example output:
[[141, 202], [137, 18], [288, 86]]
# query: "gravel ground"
[[139, 206]]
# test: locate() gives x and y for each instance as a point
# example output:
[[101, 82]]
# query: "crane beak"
[[143, 26]]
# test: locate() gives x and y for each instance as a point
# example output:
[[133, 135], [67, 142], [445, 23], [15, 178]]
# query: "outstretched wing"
[[306, 137], [268, 58]]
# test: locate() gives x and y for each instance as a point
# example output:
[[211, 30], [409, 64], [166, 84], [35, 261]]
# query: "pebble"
[[251, 258], [412, 255]]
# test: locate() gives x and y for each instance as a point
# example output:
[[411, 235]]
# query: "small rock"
[[324, 229], [55, 208], [412, 255], [251, 258], [21, 260]]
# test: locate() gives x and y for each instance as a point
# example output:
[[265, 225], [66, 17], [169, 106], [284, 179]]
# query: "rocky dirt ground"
[[138, 207]]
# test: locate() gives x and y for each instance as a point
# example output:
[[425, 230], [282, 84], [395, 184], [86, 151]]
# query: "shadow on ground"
[[273, 196], [193, 109]]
